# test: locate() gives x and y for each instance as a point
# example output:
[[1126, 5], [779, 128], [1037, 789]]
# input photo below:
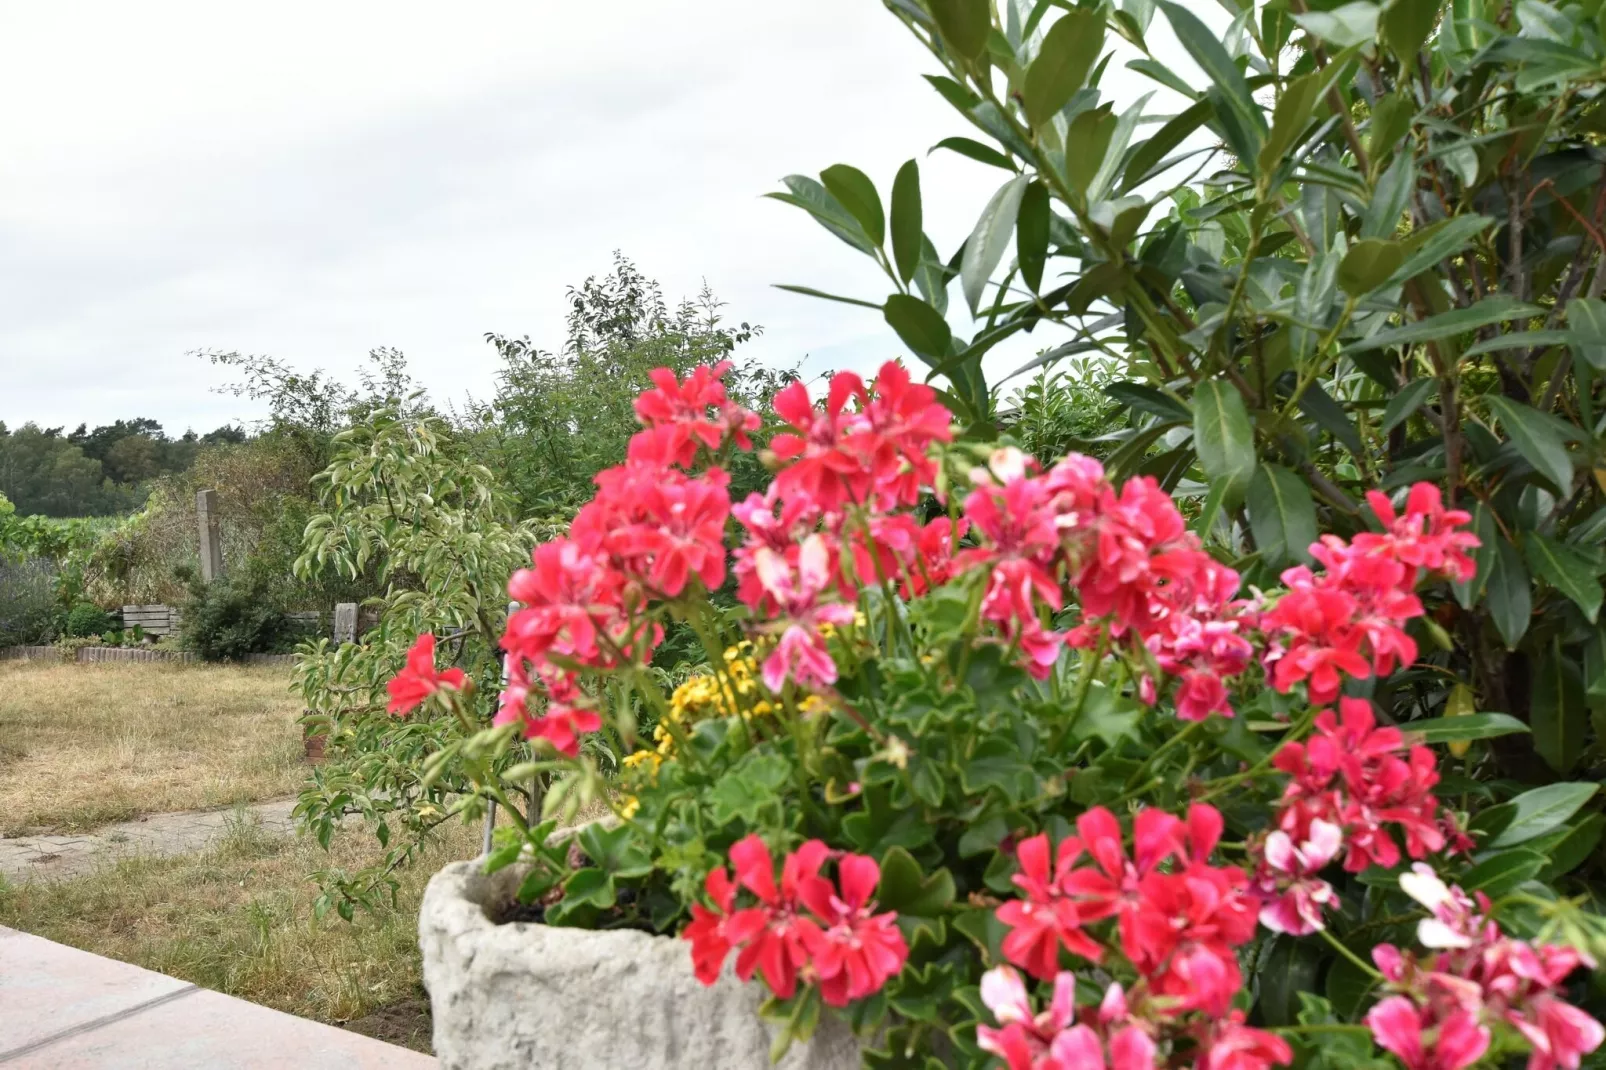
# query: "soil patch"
[[406, 1024]]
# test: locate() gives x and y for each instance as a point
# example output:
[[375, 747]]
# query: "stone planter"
[[530, 997]]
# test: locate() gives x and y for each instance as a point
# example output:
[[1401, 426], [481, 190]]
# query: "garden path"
[[73, 854], [65, 1009]]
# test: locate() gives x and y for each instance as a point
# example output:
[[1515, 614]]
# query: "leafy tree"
[[401, 496], [559, 418]]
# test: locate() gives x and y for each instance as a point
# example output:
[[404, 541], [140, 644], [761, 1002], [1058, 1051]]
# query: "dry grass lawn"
[[84, 745], [238, 919]]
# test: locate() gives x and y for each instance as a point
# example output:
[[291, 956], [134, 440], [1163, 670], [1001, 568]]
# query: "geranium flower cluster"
[[806, 928], [1177, 924], [828, 524], [1129, 556], [1349, 781], [1118, 1033], [1446, 1004], [1349, 619], [652, 528], [1178, 919]]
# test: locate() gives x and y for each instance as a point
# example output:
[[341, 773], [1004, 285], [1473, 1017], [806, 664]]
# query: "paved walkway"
[[65, 1009], [57, 857]]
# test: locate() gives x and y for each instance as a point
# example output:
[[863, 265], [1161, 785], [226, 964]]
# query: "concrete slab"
[[47, 988], [65, 1009]]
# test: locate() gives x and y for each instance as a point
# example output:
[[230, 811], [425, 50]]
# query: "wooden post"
[[345, 622], [211, 538]]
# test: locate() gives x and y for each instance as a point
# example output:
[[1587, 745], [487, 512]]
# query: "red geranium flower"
[[858, 949], [776, 937], [419, 680]]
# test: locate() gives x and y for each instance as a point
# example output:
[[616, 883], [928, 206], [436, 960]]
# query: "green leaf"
[[921, 327], [1406, 25], [1168, 78], [1536, 440], [809, 291], [1391, 120], [1536, 812], [1468, 593], [975, 150], [615, 850], [1205, 46], [1344, 26], [1368, 265], [1496, 308], [907, 220], [827, 211], [1436, 241], [907, 890], [1149, 399], [1330, 416], [1347, 986], [1087, 140], [1573, 847], [1570, 571], [1069, 50], [1519, 340], [1406, 402], [987, 242], [964, 24], [1510, 601], [1586, 320], [1281, 515], [1469, 726], [1288, 969], [1501, 873], [1223, 435], [591, 886], [997, 763], [1031, 235], [854, 191], [1294, 111], [1107, 715], [1152, 152], [1556, 710]]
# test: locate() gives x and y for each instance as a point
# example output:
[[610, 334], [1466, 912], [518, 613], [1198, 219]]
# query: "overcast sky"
[[314, 180]]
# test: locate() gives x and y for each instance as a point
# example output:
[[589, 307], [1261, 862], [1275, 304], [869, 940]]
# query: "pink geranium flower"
[[1293, 895]]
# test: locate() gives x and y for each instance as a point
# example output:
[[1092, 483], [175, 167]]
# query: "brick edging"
[[119, 653]]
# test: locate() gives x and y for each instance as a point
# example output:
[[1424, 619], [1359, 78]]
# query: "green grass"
[[238, 919]]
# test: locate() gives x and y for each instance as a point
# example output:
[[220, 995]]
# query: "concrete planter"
[[529, 997]]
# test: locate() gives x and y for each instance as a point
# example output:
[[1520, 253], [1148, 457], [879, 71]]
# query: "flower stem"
[[1367, 967]]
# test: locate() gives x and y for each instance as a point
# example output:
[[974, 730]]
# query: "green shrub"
[[27, 602], [86, 618], [230, 618]]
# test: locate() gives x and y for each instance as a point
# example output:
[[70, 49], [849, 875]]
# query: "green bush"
[[27, 602], [86, 618], [229, 618]]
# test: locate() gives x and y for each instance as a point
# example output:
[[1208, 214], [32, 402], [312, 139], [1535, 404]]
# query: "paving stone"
[[59, 856], [65, 1009], [47, 988], [208, 1031]]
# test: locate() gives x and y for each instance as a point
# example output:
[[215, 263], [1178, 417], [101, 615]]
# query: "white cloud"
[[313, 180]]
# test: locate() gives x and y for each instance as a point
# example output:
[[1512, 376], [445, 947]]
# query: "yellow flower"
[[629, 807]]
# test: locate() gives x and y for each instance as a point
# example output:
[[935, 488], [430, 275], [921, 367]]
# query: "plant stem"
[[1370, 970]]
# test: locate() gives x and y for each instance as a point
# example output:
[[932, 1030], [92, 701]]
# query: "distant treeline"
[[94, 472]]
